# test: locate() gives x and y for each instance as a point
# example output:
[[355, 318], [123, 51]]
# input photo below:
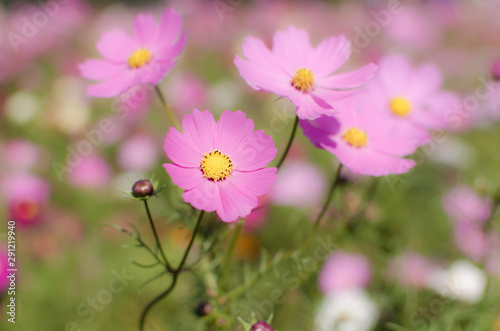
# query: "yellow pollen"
[[400, 106], [216, 166], [303, 80], [355, 137], [139, 58]]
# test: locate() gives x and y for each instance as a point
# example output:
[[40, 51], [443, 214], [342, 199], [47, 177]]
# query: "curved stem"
[[329, 197], [227, 261], [171, 116], [157, 239], [289, 144], [176, 274]]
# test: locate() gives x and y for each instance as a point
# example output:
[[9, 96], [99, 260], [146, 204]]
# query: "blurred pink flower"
[[134, 103], [4, 265], [144, 59], [20, 155], [361, 139], [92, 172], [139, 152], [463, 204], [26, 197], [411, 97], [220, 165], [471, 240], [186, 92], [296, 70], [299, 184], [411, 269], [344, 271]]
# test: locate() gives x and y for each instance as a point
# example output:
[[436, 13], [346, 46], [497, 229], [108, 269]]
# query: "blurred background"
[[68, 161]]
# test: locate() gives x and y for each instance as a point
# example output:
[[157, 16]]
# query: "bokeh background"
[[69, 256]]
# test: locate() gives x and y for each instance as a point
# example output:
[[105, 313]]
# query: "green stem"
[[289, 144], [242, 288], [171, 116], [157, 239], [176, 274], [329, 197], [229, 255]]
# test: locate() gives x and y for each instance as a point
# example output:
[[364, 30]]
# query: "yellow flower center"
[[400, 106], [139, 58], [216, 166], [355, 137], [303, 80]]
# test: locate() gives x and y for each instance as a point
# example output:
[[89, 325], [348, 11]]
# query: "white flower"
[[350, 310], [463, 281]]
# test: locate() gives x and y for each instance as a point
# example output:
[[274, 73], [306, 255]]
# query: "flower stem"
[[157, 239], [175, 275], [171, 116], [229, 255], [289, 144], [329, 197]]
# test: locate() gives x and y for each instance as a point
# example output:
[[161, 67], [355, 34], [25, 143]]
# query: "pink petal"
[[394, 145], [335, 95], [203, 197], [233, 203], [170, 26], [146, 30], [232, 129], [259, 78], [310, 108], [97, 69], [170, 51], [350, 79], [152, 73], [113, 87], [181, 150], [255, 183], [256, 52], [185, 178], [199, 130], [255, 152], [364, 161], [329, 55], [292, 48], [116, 46]]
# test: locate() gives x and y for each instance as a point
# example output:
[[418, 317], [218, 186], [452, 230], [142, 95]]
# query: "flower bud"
[[204, 308], [262, 326], [142, 188]]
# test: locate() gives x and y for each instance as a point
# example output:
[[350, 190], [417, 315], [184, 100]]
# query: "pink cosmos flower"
[[344, 271], [26, 197], [300, 72], [463, 204], [220, 165], [412, 97], [128, 61], [362, 140], [471, 240]]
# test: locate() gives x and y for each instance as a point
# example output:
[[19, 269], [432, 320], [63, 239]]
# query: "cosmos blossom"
[[412, 96], [221, 166], [144, 58], [362, 140], [302, 73]]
